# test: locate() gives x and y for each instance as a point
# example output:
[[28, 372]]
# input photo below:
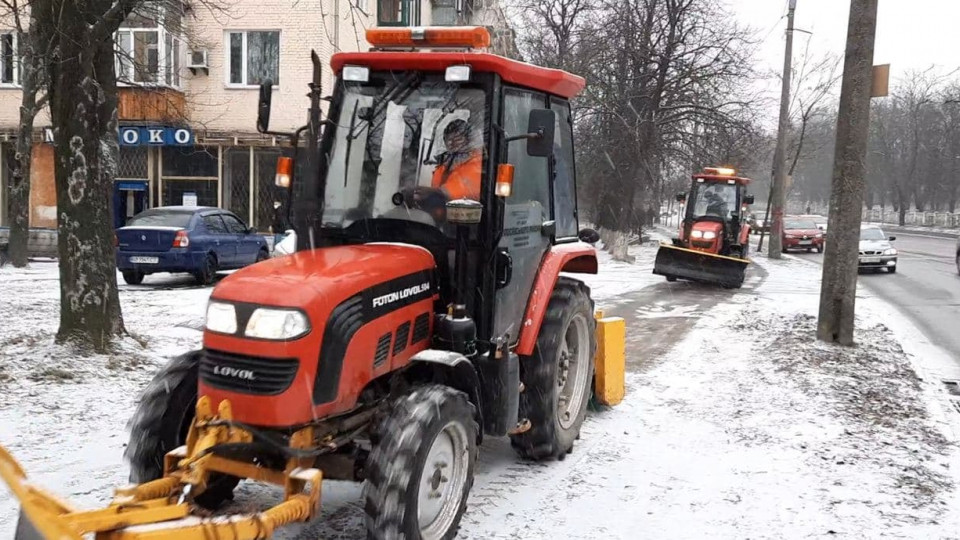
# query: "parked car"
[[876, 251], [195, 240], [40, 243], [758, 224], [820, 221], [801, 234]]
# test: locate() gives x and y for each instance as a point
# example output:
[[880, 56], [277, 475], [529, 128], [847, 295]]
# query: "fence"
[[945, 220]]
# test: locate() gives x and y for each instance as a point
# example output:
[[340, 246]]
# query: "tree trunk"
[[839, 288], [20, 179], [84, 117]]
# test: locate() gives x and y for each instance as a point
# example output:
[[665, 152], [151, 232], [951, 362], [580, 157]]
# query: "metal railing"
[[946, 220]]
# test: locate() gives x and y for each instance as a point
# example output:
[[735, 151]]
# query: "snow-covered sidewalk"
[[746, 428]]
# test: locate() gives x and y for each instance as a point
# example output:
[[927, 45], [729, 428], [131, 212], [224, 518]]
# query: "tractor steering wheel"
[[430, 200]]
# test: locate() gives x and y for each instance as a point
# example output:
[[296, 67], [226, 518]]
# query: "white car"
[[876, 250]]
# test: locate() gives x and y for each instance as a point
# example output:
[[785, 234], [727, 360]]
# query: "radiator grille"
[[247, 374]]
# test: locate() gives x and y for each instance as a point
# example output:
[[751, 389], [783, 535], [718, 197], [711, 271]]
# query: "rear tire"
[[132, 277], [564, 355], [208, 271], [420, 470], [262, 255], [671, 279], [161, 422]]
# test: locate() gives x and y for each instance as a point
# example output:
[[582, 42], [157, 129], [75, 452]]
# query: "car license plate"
[[870, 260], [144, 260], [805, 242]]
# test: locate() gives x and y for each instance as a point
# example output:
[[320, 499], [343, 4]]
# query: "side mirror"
[[681, 196], [540, 130], [252, 230], [748, 199], [263, 108], [589, 236], [892, 238]]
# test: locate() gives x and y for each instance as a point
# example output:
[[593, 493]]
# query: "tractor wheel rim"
[[573, 371], [442, 481]]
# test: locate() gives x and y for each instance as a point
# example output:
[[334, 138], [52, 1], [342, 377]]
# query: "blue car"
[[195, 240]]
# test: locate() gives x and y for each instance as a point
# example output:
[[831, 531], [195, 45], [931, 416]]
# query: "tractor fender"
[[455, 371], [576, 257]]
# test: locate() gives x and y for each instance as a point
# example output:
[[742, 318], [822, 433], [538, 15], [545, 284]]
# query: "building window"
[[398, 13], [190, 173], [254, 57], [444, 13], [148, 56], [9, 59]]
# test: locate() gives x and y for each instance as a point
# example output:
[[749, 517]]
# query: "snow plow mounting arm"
[[155, 510]]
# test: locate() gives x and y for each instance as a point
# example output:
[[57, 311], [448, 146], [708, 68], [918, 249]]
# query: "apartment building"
[[189, 88]]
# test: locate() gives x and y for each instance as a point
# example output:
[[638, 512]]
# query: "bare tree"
[[81, 83], [31, 50]]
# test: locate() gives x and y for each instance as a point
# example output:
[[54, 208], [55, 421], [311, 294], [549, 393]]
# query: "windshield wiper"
[[404, 86], [350, 138]]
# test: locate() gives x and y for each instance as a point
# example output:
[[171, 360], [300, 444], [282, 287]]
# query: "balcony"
[[151, 104]]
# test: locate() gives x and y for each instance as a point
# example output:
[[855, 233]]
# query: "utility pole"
[[779, 156], [839, 288]]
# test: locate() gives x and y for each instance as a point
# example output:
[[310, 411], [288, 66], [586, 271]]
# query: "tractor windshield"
[[715, 199], [404, 145]]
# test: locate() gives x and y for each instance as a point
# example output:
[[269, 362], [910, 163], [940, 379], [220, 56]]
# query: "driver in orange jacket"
[[458, 173]]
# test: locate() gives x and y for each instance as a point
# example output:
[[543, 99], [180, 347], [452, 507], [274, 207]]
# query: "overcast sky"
[[911, 34]]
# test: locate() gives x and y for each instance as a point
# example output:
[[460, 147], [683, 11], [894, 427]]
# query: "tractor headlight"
[[279, 324], [891, 251], [709, 235], [221, 317], [696, 234]]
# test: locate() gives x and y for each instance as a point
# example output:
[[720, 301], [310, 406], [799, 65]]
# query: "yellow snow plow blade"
[[678, 262], [157, 510]]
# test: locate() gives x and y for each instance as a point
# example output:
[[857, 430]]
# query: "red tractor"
[[424, 309], [714, 237]]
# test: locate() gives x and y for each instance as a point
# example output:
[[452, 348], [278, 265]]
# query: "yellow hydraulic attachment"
[[158, 509]]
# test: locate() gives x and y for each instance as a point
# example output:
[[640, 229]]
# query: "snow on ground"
[[746, 428]]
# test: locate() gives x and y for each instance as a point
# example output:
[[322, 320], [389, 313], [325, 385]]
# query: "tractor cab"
[[425, 120], [715, 209]]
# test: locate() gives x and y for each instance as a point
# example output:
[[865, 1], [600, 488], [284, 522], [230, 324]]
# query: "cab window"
[[532, 183]]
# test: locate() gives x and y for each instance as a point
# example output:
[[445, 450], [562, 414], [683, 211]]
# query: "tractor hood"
[[325, 276]]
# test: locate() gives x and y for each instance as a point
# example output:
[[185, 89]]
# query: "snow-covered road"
[[737, 425]]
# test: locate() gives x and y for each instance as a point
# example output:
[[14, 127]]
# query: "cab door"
[[527, 214]]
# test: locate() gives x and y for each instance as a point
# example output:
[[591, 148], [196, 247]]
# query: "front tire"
[[420, 470], [892, 269], [558, 375], [262, 255], [161, 423], [819, 249], [671, 279], [132, 277]]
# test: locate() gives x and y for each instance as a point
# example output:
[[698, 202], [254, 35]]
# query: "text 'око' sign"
[[155, 136]]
